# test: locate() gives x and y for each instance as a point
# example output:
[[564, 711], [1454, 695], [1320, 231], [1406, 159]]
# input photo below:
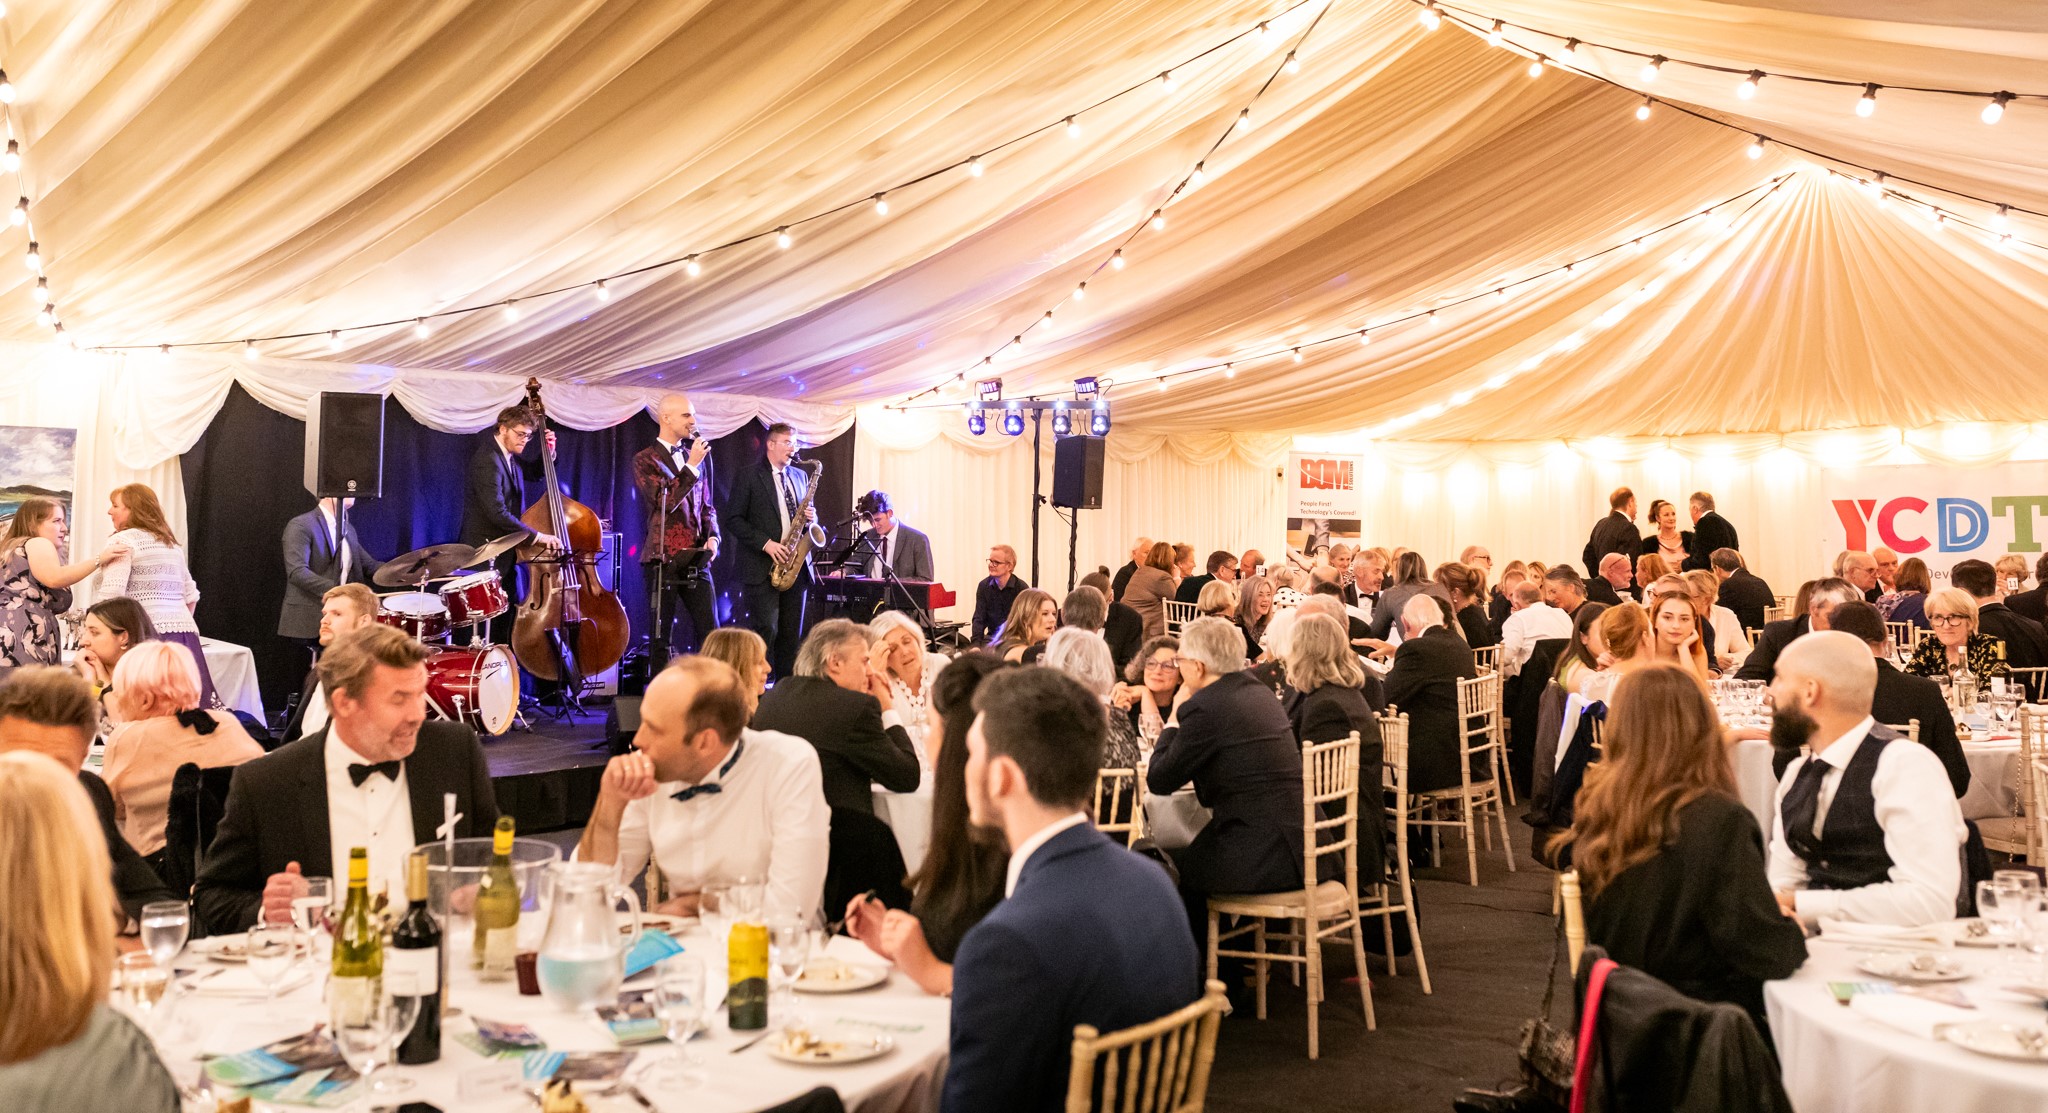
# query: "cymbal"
[[492, 550], [432, 562]]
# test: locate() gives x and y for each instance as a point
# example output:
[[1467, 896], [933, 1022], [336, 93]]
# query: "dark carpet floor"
[[1487, 948]]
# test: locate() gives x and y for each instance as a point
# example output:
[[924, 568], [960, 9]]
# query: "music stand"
[[866, 545]]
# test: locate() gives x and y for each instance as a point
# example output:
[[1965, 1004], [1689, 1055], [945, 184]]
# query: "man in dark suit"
[[1088, 932], [1424, 684], [1710, 531], [673, 476], [759, 509], [493, 498], [321, 551], [1762, 662], [2026, 643], [373, 778], [846, 711], [889, 543], [1122, 627], [993, 595], [51, 711], [1900, 697], [1140, 549], [1616, 581], [1616, 533], [1222, 566], [1742, 591], [2033, 603]]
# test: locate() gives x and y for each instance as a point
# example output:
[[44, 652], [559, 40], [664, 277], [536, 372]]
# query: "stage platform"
[[547, 779]]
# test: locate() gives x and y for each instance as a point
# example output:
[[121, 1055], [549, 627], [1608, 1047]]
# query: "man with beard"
[[1867, 829]]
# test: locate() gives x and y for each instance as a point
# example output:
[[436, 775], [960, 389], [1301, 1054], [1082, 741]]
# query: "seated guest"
[[1532, 620], [1083, 656], [1502, 602], [1423, 684], [1368, 573], [1957, 643], [1141, 551], [709, 799], [1222, 568], [1675, 634], [1249, 565], [1355, 628], [1121, 626], [847, 713], [342, 609], [62, 1048], [162, 728], [1466, 588], [1411, 578], [2011, 570], [2031, 603], [50, 711], [1218, 600], [746, 653], [1823, 595], [1183, 562], [993, 596], [1670, 860], [1902, 697], [1744, 594], [1799, 598], [374, 777], [1860, 569], [1033, 618], [1152, 680], [1254, 613], [901, 660], [1615, 582], [1621, 643], [1666, 542], [1342, 557], [111, 628], [1582, 654], [1563, 589], [1290, 587], [1085, 608], [1907, 601], [1148, 589], [1867, 828], [962, 875], [1726, 644], [1325, 704], [1088, 932], [2026, 643]]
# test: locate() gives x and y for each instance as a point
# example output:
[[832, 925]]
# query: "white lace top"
[[154, 575], [913, 706]]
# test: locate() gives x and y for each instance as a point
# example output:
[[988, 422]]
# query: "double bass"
[[569, 625]]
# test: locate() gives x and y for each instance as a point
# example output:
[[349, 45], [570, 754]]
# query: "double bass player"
[[493, 496]]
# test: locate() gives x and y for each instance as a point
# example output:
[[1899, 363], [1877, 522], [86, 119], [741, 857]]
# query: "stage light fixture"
[[1098, 422], [977, 422], [1062, 421], [1013, 421]]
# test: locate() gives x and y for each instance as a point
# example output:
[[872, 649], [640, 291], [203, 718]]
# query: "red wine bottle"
[[412, 967]]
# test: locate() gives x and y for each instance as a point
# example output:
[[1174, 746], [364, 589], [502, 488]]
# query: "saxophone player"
[[766, 500]]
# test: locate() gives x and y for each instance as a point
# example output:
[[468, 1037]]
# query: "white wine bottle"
[[497, 910], [357, 982]]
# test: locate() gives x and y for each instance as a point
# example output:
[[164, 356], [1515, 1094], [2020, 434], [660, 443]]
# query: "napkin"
[[1845, 931], [1911, 1015]]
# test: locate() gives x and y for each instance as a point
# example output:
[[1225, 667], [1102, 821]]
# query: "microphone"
[[667, 469]]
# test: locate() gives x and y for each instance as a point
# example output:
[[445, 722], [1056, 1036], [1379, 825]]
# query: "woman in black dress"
[[1324, 704]]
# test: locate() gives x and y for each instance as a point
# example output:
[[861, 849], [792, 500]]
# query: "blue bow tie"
[[695, 791], [712, 788]]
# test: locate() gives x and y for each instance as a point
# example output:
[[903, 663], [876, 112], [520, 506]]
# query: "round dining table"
[[226, 1013]]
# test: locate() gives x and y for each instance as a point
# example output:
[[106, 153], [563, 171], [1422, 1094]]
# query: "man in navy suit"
[[757, 513], [493, 497], [321, 552], [1088, 933]]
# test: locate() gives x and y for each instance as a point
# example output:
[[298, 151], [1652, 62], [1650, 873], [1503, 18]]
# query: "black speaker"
[[345, 445], [621, 723], [1077, 472]]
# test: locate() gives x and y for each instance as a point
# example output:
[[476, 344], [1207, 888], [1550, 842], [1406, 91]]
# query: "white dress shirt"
[[1524, 628], [679, 456], [315, 716], [1030, 846], [885, 545], [1923, 833], [768, 820], [340, 543], [377, 815], [1729, 640], [785, 490]]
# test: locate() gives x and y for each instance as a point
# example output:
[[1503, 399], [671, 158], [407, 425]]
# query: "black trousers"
[[778, 616], [694, 601]]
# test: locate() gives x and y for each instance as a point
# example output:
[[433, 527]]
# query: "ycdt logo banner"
[[1941, 515], [1323, 486]]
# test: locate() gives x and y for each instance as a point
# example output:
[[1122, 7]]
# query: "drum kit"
[[475, 683]]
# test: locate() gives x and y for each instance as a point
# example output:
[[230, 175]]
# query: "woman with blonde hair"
[[1326, 703], [35, 583], [1033, 617], [2011, 570], [63, 1049], [1254, 612], [1957, 643], [1150, 587], [900, 658], [1217, 600], [1624, 640], [163, 727], [746, 653], [153, 573], [1727, 644], [1649, 569]]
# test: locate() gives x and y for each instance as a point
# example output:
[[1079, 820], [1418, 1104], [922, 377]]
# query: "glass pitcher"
[[583, 954]]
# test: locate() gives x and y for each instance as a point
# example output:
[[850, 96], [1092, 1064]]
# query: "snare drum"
[[474, 599], [419, 613], [478, 685]]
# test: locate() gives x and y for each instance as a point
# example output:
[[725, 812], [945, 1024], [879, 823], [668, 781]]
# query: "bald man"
[[673, 476], [1867, 829], [1615, 582]]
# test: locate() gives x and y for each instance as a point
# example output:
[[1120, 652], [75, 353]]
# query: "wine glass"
[[790, 936], [2001, 906], [271, 950], [714, 911], [679, 1005], [311, 911], [142, 981], [368, 1040], [165, 926]]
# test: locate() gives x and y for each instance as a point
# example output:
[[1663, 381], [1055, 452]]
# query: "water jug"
[[583, 953]]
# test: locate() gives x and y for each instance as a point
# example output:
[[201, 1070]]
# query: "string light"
[[6, 89], [1159, 220], [46, 315], [34, 258], [1867, 103], [1643, 109], [18, 215], [1167, 82], [1756, 147], [1073, 128], [248, 349], [1244, 120], [510, 310], [1494, 36], [1364, 336], [1293, 64], [881, 205], [603, 292], [333, 340], [1081, 292], [1651, 69], [692, 267], [782, 239], [1230, 370], [1431, 18], [11, 161], [43, 290], [1199, 175], [1571, 49], [1998, 218], [974, 167], [1297, 355], [1434, 320], [1995, 111], [1116, 261], [421, 329], [1747, 90], [1536, 66]]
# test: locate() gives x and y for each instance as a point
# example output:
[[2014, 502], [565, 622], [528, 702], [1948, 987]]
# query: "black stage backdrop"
[[243, 483]]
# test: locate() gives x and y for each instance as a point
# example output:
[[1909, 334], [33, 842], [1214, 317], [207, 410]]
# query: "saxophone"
[[800, 539]]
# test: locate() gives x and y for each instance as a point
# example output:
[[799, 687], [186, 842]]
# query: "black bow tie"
[[713, 788], [361, 773], [695, 791]]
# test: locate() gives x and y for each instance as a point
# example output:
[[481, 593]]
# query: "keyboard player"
[[888, 543]]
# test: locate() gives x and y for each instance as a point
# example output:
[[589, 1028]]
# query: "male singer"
[[493, 498], [763, 502], [321, 552], [891, 544], [675, 486]]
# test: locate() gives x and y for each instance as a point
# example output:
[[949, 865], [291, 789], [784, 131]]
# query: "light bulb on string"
[[1264, 30], [1536, 66], [1167, 82], [1297, 355], [1643, 109], [1073, 128], [1571, 49], [1199, 175], [1995, 111], [421, 329], [881, 205], [1501, 294], [692, 267], [1430, 17], [782, 239], [1867, 103], [1293, 64], [510, 310], [11, 161], [34, 258], [1747, 90], [1999, 220], [603, 292], [42, 291], [248, 349], [1494, 35], [333, 340], [1116, 261], [1364, 336], [1162, 378], [45, 315], [1756, 147], [1081, 292], [1651, 69], [1244, 120], [974, 167], [19, 214], [1046, 321], [1159, 220], [1434, 320], [6, 89]]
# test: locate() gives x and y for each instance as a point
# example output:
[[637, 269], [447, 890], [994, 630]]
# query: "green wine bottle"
[[357, 984], [497, 910]]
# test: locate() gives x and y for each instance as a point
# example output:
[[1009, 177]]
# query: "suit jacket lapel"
[[326, 538], [425, 786], [316, 829]]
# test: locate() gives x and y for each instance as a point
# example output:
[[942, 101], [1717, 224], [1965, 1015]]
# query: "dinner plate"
[[221, 948], [840, 977], [2025, 1042], [1972, 932], [797, 1046], [1914, 966]]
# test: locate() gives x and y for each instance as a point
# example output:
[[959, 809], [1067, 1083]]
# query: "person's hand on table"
[[280, 891], [1788, 902], [682, 904]]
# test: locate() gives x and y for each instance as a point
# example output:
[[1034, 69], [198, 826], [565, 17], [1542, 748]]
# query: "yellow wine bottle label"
[[501, 839], [501, 948], [350, 999]]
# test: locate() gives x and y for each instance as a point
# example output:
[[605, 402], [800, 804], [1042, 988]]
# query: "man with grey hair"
[[1860, 569], [1140, 549], [846, 711], [1615, 582], [1762, 662], [1531, 621], [1423, 683], [1866, 830]]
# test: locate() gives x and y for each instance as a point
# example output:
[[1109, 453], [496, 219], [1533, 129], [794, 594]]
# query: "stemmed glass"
[[143, 982], [715, 911], [165, 926], [679, 1005], [790, 937], [311, 911], [272, 950], [2002, 905], [368, 1040]]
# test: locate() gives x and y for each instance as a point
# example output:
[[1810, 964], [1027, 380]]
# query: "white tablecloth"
[[1838, 1061], [234, 676], [1754, 782], [907, 1079], [1994, 767], [909, 814]]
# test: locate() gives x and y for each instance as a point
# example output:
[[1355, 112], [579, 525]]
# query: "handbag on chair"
[[1546, 1057]]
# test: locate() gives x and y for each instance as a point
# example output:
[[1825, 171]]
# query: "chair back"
[[199, 798], [1776, 614], [1160, 1066], [1180, 614], [1329, 775], [2036, 779], [2030, 680], [1394, 773], [2033, 750], [1910, 728], [1904, 635], [1478, 713], [1574, 917], [1487, 657], [1119, 805], [862, 854]]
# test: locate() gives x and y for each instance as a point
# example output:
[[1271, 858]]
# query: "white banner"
[[1941, 515], [1322, 485]]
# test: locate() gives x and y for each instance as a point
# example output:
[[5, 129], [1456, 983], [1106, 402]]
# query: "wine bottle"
[[746, 962], [357, 982], [413, 967], [497, 910]]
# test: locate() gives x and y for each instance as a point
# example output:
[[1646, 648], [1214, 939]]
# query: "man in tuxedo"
[[373, 778], [51, 711], [1223, 566], [1616, 533], [1900, 697], [1088, 933], [1762, 662], [993, 595], [673, 476], [2033, 603], [1887, 570], [1616, 581], [758, 511], [1140, 549], [1424, 684], [493, 498], [1860, 569], [888, 543], [1122, 627], [1742, 591], [343, 609], [2026, 643], [1710, 531], [1368, 574], [845, 709], [321, 552]]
